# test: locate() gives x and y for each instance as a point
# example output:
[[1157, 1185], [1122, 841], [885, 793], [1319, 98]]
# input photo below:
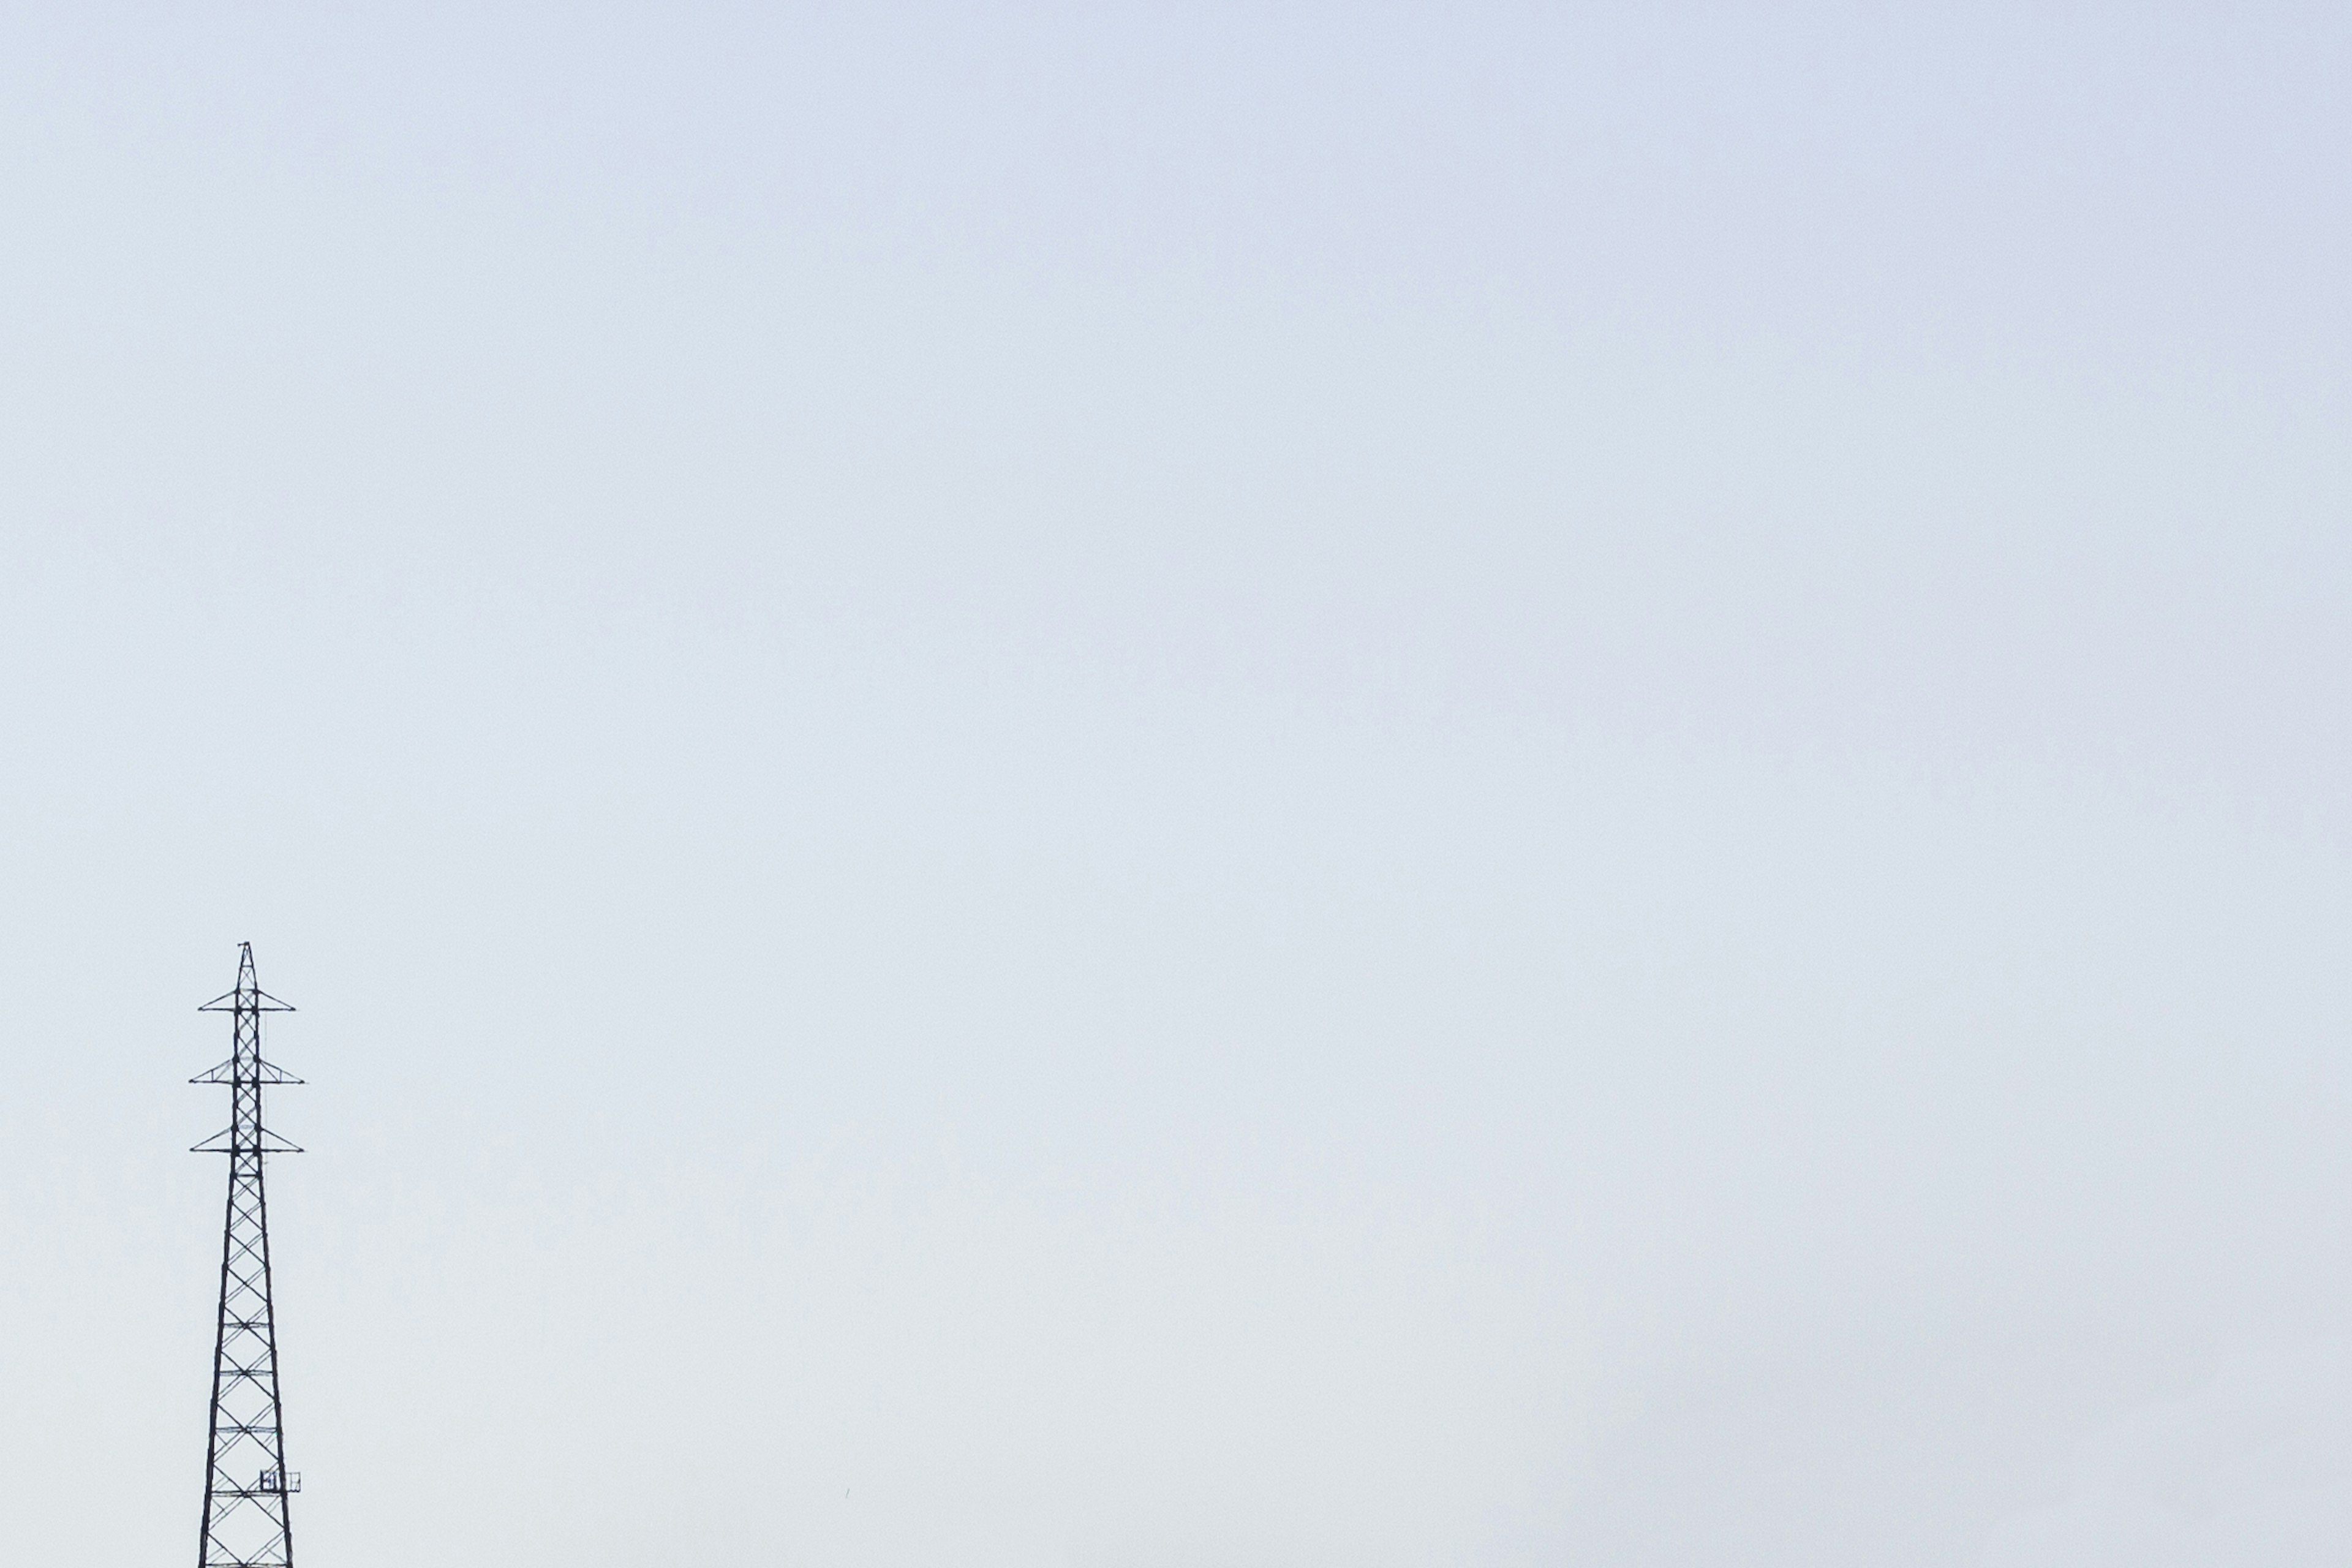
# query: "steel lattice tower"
[[247, 1484]]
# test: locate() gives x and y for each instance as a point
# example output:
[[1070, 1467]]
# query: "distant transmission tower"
[[247, 1483]]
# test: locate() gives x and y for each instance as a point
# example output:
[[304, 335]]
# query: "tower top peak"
[[249, 997]]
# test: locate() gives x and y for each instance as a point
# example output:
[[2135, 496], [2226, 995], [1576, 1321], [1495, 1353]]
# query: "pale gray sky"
[[1188, 785]]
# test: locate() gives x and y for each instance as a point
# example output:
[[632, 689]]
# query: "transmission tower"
[[247, 1483]]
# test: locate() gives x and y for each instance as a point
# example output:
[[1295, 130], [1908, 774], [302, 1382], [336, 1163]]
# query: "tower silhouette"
[[247, 1483]]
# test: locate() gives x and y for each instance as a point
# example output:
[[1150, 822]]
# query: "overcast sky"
[[1188, 787]]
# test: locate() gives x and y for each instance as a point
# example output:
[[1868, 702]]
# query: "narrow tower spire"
[[247, 1483]]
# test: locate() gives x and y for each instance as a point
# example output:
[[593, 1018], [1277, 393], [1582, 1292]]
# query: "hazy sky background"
[[1188, 786]]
